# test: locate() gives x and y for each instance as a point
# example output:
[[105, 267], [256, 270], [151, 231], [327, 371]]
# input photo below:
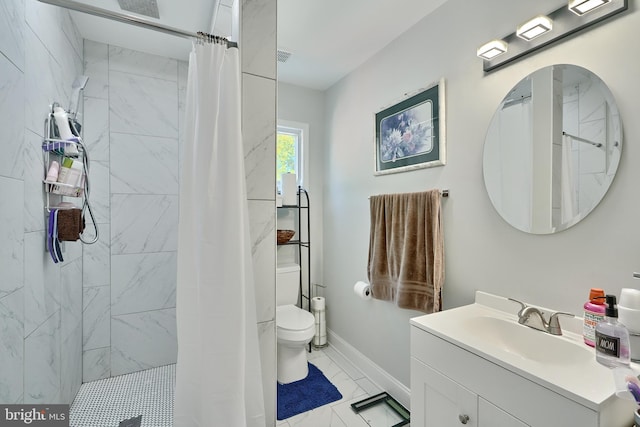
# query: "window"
[[288, 149]]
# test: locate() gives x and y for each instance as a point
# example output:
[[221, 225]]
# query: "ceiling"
[[327, 39], [188, 15], [330, 38]]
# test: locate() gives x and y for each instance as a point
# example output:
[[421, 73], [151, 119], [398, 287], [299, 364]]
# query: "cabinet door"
[[437, 401], [490, 415]]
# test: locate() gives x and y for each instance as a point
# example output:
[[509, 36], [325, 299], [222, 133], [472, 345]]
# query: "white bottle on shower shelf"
[[71, 173], [52, 173], [75, 176], [62, 122]]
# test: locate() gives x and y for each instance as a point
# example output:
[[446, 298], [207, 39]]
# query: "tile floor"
[[351, 383], [104, 403]]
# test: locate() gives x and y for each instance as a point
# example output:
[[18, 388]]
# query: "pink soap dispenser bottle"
[[594, 311]]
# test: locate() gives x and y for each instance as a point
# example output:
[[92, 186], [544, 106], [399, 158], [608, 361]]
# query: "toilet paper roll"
[[362, 290], [289, 189], [317, 303]]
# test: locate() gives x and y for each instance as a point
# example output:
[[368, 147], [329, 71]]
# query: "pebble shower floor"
[[104, 403]]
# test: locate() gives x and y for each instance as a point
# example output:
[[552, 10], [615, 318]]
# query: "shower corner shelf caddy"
[[55, 149], [302, 242]]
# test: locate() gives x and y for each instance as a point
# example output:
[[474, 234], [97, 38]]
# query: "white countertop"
[[585, 381]]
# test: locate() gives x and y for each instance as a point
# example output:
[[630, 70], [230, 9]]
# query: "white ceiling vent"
[[141, 7], [283, 55]]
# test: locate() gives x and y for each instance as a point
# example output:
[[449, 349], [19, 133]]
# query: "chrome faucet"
[[534, 318]]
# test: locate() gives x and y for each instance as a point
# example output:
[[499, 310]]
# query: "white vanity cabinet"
[[443, 402], [464, 376]]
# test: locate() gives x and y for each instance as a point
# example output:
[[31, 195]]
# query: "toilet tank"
[[287, 284]]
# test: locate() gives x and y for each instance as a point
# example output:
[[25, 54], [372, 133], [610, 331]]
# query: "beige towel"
[[406, 250]]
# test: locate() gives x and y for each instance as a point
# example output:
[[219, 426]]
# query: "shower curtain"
[[218, 376], [569, 199]]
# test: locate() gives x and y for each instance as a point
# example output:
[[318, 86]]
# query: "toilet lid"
[[293, 318]]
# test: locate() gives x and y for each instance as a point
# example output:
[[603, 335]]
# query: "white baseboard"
[[375, 373]]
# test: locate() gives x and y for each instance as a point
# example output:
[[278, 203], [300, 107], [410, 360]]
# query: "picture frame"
[[410, 134]]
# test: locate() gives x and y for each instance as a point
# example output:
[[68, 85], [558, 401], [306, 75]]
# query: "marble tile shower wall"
[[40, 302], [133, 102], [585, 115], [258, 50]]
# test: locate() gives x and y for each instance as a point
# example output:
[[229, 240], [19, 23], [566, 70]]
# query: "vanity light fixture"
[[580, 7], [492, 49], [543, 30], [534, 27]]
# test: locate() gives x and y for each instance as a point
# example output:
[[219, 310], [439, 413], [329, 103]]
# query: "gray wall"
[[133, 110], [482, 251], [303, 105], [40, 302]]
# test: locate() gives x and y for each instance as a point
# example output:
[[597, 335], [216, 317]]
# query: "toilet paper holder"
[[362, 290], [318, 309]]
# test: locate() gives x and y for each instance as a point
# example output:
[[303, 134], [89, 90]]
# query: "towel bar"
[[443, 193]]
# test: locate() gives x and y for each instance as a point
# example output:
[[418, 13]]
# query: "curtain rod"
[[127, 19]]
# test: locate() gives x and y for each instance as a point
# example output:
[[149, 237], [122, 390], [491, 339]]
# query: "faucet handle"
[[554, 324], [522, 306]]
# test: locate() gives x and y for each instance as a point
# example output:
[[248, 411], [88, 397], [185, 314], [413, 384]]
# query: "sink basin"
[[482, 348], [538, 346], [489, 328]]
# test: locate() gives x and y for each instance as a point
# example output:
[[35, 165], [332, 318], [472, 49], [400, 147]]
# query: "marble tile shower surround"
[[258, 61], [48, 47], [12, 344], [157, 156], [96, 123], [40, 303], [39, 332], [141, 249], [142, 105], [11, 229], [143, 340], [12, 43], [96, 320], [132, 106], [122, 85], [156, 230], [143, 282], [97, 260], [12, 87], [130, 102], [585, 115]]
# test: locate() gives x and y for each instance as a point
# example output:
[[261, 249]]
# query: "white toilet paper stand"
[[318, 311]]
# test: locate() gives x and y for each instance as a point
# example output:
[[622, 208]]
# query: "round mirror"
[[552, 149]]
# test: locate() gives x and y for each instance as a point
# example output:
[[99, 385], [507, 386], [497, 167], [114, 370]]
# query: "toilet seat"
[[294, 324]]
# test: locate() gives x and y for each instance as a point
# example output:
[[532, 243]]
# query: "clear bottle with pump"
[[612, 338], [593, 314]]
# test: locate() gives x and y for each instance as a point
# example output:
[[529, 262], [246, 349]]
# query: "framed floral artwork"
[[410, 134]]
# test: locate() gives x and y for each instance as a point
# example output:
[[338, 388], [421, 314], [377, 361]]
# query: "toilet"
[[295, 327]]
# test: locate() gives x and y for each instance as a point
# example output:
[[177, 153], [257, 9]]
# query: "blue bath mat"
[[301, 396]]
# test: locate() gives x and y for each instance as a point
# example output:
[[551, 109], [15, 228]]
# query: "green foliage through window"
[[286, 154]]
